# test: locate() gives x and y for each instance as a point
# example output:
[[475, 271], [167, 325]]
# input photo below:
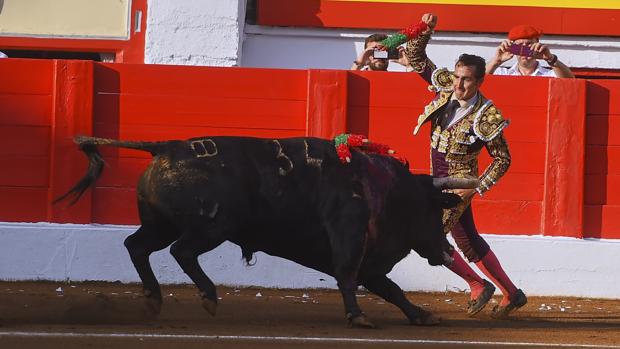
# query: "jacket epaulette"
[[489, 122], [442, 80]]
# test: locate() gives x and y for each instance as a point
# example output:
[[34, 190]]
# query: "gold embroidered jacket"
[[462, 141]]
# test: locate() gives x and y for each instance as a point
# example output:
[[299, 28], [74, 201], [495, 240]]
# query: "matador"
[[462, 123]]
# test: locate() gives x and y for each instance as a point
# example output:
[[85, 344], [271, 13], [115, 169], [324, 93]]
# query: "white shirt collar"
[[467, 103], [465, 108], [514, 70]]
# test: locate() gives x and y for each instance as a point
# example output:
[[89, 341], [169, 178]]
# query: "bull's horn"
[[455, 183]]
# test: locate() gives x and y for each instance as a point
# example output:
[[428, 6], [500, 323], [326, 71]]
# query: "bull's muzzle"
[[442, 259]]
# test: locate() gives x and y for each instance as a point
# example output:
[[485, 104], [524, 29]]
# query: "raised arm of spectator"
[[502, 54], [543, 52], [416, 50], [362, 60]]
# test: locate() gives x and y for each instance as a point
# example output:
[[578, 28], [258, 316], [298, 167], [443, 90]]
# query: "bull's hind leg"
[[391, 292], [347, 230], [186, 251], [146, 240]]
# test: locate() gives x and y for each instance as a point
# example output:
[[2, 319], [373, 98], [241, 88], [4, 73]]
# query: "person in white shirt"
[[523, 42], [367, 61]]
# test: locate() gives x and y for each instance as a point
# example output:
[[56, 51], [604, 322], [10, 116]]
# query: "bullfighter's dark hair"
[[473, 61], [374, 38]]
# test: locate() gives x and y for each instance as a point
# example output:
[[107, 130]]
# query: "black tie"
[[449, 113]]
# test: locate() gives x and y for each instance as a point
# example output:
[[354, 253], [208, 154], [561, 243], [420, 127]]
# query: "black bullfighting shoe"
[[474, 306], [502, 312]]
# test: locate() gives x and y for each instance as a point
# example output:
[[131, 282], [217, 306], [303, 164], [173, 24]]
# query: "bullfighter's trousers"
[[459, 220]]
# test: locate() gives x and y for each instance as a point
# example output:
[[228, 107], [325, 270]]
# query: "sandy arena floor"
[[108, 315]]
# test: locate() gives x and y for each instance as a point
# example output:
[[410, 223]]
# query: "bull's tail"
[[95, 161]]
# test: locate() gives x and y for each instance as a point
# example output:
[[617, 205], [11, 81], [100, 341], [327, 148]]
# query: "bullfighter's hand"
[[465, 194], [402, 57], [430, 20]]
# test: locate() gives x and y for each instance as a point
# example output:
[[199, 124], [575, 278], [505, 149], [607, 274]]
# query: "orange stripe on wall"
[[471, 18]]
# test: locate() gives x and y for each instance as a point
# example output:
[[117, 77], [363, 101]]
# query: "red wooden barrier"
[[565, 157], [563, 179], [602, 167], [25, 127]]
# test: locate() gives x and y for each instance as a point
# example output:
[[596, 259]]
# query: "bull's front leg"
[[354, 314], [391, 292], [348, 233]]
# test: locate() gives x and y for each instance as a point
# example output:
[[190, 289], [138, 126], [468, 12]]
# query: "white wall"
[[538, 265], [300, 48], [213, 33], [194, 32]]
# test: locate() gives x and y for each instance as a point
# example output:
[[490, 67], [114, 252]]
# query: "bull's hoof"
[[359, 321], [153, 302], [426, 319], [209, 305]]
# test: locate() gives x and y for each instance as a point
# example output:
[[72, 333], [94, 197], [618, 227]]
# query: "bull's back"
[[270, 181]]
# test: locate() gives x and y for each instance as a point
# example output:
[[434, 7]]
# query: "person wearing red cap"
[[523, 41], [463, 122]]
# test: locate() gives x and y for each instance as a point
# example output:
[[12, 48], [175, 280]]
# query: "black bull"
[[291, 198]]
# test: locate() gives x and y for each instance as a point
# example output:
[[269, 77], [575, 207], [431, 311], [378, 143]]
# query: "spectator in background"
[[367, 61], [523, 41]]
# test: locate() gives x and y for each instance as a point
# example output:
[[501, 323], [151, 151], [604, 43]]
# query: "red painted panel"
[[115, 206], [25, 140], [507, 217], [526, 157], [603, 129], [326, 107], [203, 111], [527, 124], [380, 89], [73, 107], [25, 109], [602, 221], [122, 172], [597, 22], [602, 190], [192, 102], [603, 97], [20, 171], [216, 82], [517, 187], [26, 76], [602, 160], [506, 91], [22, 204], [393, 15], [565, 158]]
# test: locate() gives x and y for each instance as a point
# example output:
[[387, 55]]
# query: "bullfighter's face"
[[466, 85]]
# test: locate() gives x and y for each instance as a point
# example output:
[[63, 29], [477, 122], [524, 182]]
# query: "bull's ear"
[[449, 200]]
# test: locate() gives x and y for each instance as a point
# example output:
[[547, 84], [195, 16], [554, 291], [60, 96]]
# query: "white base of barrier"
[[73, 252]]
